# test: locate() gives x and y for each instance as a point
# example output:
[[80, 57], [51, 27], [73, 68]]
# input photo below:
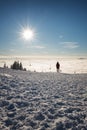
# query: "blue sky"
[[60, 27]]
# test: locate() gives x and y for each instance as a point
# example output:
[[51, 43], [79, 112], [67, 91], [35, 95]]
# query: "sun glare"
[[28, 34]]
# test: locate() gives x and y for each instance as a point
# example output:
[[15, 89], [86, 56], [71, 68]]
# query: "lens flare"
[[28, 34]]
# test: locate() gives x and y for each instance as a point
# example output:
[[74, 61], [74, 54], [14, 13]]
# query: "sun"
[[28, 34]]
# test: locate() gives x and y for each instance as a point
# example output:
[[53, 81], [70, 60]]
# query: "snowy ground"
[[42, 101]]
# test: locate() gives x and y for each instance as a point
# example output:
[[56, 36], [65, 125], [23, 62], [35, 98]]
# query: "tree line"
[[16, 66]]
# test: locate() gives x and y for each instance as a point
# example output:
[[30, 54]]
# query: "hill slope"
[[42, 101]]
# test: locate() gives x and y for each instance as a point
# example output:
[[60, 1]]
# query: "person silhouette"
[[57, 66]]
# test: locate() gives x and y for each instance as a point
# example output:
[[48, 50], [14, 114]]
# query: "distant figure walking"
[[57, 66]]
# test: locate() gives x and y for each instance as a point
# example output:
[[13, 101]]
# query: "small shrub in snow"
[[24, 69]]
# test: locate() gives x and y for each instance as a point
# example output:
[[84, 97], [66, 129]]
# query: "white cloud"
[[70, 45], [38, 47]]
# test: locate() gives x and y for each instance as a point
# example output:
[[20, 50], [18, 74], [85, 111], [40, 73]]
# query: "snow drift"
[[42, 101]]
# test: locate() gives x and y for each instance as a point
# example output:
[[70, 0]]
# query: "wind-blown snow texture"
[[42, 101]]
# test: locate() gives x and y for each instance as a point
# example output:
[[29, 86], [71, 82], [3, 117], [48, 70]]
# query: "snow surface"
[[42, 101]]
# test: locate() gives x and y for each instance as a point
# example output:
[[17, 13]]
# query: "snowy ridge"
[[42, 101]]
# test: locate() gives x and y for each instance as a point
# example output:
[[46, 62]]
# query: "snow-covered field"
[[42, 101]]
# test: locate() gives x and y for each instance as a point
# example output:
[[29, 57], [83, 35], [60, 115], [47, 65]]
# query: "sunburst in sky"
[[61, 27], [28, 34]]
